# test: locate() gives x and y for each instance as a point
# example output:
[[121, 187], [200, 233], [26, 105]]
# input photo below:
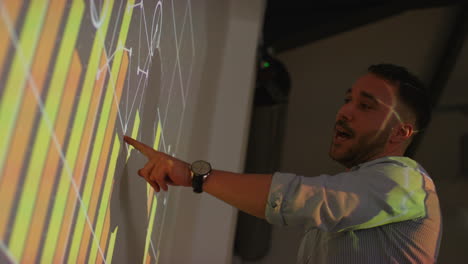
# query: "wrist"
[[200, 170]]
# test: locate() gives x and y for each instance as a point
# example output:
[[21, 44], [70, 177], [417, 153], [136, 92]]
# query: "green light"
[[266, 64]]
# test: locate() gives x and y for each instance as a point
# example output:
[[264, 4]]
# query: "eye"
[[347, 100], [364, 106]]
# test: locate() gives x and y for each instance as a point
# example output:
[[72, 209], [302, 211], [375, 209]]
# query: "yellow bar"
[[43, 134], [110, 248], [135, 129], [150, 228], [12, 8], [12, 95], [149, 188], [105, 199], [76, 134], [19, 72]]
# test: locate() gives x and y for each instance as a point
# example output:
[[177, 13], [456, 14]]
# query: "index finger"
[[143, 148]]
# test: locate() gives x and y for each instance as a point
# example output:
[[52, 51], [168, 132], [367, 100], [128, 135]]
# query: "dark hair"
[[412, 91]]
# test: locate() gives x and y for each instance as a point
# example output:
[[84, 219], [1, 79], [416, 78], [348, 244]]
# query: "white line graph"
[[7, 253], [143, 74], [94, 13], [115, 27], [95, 117], [189, 75], [138, 91], [124, 127], [162, 133], [176, 65], [45, 116], [155, 28], [127, 106], [178, 48], [139, 4]]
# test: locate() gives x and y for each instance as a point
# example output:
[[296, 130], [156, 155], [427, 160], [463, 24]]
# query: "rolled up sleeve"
[[352, 200]]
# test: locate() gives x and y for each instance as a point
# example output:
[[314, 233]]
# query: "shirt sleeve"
[[366, 198]]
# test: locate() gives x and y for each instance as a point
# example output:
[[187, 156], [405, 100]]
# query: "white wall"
[[321, 72], [203, 227]]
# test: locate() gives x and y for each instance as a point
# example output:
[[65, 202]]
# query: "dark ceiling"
[[288, 25]]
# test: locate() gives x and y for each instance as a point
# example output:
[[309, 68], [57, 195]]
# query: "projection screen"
[[75, 77]]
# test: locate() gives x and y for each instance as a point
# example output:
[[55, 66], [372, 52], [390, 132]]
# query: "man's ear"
[[402, 132]]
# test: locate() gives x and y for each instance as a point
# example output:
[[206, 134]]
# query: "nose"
[[345, 112]]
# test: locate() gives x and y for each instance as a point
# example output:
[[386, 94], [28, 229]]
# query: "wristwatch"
[[200, 170]]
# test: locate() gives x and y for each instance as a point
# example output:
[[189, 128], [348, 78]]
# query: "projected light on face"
[[74, 77], [364, 123]]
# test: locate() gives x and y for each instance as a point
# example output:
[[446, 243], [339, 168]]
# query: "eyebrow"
[[366, 95], [370, 96]]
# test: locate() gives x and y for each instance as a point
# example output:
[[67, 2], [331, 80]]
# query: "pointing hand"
[[161, 169]]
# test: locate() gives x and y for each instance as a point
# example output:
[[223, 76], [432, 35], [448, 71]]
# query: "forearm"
[[247, 192]]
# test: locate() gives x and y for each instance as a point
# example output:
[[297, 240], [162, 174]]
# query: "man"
[[383, 209]]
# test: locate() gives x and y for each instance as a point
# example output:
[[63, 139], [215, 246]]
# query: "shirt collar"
[[400, 160]]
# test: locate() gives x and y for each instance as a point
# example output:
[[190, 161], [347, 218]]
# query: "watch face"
[[201, 167]]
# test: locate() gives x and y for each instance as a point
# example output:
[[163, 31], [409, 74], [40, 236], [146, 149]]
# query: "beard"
[[360, 148]]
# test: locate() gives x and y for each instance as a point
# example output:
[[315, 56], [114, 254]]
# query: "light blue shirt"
[[382, 211]]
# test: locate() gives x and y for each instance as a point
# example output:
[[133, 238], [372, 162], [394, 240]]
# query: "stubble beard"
[[363, 149]]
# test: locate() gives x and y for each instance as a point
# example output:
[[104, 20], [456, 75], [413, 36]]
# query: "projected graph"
[[75, 76]]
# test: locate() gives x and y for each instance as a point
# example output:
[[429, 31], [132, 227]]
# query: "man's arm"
[[383, 193], [247, 192]]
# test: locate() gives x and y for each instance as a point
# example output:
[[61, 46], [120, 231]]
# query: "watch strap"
[[197, 183]]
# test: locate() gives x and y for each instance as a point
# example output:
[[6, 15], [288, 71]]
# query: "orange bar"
[[104, 156], [105, 235], [12, 8], [50, 170], [149, 201], [119, 88], [28, 110], [80, 165]]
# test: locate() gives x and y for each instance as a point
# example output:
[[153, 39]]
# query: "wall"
[[441, 154], [203, 228]]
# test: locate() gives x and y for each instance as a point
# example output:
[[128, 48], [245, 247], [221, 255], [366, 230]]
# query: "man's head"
[[382, 111]]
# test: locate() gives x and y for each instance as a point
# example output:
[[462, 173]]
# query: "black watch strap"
[[200, 169], [197, 183]]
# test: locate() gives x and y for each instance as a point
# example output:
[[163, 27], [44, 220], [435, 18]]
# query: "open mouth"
[[342, 134]]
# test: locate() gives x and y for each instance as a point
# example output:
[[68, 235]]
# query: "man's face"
[[364, 122]]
